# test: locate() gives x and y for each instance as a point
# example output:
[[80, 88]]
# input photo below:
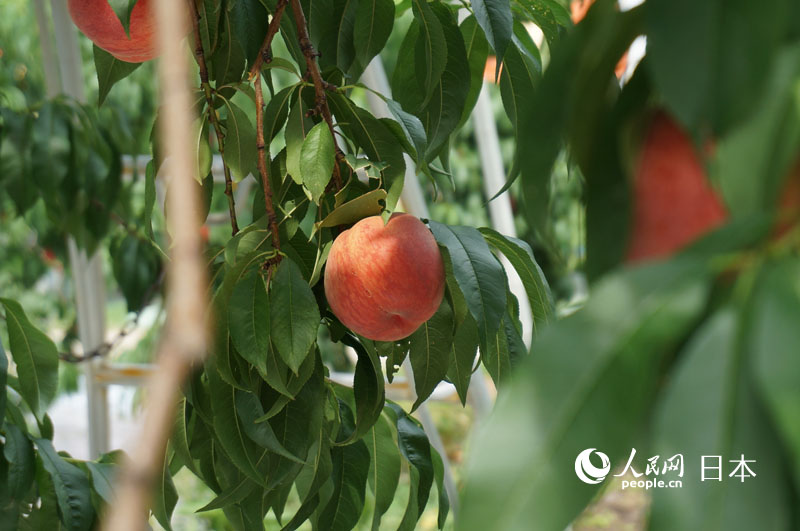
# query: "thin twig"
[[320, 85], [262, 162], [265, 52], [184, 341], [200, 56]]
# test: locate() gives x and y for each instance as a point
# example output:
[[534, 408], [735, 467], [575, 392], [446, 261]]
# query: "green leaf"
[[710, 408], [430, 352], [102, 476], [149, 197], [687, 40], [477, 48], [228, 61], [479, 275], [384, 466], [230, 496], [202, 148], [587, 384], [550, 15], [462, 356], [368, 386], [249, 319], [208, 24], [276, 112], [123, 9], [250, 410], [165, 497], [350, 470], [376, 140], [438, 475], [317, 157], [72, 488], [520, 255], [294, 314], [494, 16], [503, 352], [443, 113], [430, 52], [413, 129], [750, 164], [297, 128], [416, 449], [136, 266], [521, 72], [109, 71], [240, 142], [229, 430], [373, 24], [772, 346], [3, 379], [36, 358], [18, 453], [249, 25]]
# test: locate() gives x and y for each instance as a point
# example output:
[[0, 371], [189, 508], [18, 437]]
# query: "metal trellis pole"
[[87, 272]]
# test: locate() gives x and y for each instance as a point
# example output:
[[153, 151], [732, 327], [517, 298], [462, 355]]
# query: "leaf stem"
[[199, 55], [320, 85]]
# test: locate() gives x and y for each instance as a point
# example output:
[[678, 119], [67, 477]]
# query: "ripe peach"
[[673, 201], [97, 20], [383, 282]]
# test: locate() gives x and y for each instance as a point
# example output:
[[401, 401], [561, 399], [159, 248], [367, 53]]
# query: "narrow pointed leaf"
[[478, 273], [294, 314]]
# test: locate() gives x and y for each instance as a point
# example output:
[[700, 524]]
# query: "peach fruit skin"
[[673, 201], [383, 282], [97, 20]]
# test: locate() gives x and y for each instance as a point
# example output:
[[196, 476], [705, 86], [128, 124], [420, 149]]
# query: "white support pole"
[[87, 273], [500, 213]]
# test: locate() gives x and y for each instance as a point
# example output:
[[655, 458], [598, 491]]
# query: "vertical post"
[[87, 272]]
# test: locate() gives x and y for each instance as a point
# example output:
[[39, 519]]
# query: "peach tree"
[[277, 95], [686, 169]]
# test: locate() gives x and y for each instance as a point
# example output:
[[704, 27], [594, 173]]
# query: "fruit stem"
[[262, 162], [320, 85], [199, 55]]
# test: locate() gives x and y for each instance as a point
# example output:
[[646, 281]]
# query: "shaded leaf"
[[726, 419], [240, 142], [384, 466], [36, 358], [109, 71], [588, 381], [249, 318], [71, 485], [430, 352]]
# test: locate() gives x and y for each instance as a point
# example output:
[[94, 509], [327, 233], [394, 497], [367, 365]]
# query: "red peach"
[[97, 20], [673, 201], [384, 281]]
